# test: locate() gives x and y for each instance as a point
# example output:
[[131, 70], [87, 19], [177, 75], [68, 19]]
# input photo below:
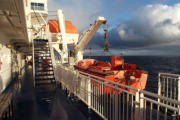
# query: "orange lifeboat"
[[117, 71]]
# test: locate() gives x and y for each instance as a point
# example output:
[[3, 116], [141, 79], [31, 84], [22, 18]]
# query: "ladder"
[[44, 80]]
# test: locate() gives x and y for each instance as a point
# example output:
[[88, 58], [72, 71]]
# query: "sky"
[[135, 27]]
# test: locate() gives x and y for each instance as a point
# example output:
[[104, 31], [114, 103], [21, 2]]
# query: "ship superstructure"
[[30, 44], [21, 22]]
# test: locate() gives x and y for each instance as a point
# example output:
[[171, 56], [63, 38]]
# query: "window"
[[37, 6]]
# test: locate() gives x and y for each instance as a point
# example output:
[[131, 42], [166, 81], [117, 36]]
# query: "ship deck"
[[126, 105], [30, 108]]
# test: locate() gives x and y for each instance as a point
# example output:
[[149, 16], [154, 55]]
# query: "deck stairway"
[[44, 80]]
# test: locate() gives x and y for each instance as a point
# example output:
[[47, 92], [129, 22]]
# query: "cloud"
[[151, 25], [80, 12]]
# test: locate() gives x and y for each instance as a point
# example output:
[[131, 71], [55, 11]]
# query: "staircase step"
[[43, 59], [41, 50], [40, 59], [41, 46], [38, 62], [44, 70], [39, 75], [42, 56], [39, 65], [44, 79], [44, 66], [40, 40], [38, 45]]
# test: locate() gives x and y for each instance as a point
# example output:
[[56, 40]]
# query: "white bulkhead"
[[10, 64]]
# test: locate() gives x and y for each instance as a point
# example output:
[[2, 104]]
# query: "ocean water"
[[152, 64]]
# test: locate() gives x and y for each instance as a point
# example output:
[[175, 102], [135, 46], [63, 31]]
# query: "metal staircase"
[[44, 80]]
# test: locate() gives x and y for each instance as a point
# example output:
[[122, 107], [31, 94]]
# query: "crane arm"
[[87, 36]]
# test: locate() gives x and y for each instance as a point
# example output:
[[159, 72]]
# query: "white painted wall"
[[5, 72], [11, 64]]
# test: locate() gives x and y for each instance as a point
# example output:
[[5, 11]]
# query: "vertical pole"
[[178, 88], [159, 85], [89, 96], [137, 105], [61, 20], [179, 94], [116, 103], [141, 106], [89, 91]]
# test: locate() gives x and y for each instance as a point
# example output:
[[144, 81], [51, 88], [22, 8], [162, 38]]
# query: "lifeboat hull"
[[126, 74]]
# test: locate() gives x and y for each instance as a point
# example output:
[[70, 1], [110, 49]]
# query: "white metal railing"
[[51, 48], [115, 101], [169, 86], [52, 56]]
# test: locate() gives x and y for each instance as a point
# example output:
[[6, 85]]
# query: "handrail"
[[135, 89], [106, 97], [160, 97], [159, 103], [51, 50], [33, 62], [169, 74]]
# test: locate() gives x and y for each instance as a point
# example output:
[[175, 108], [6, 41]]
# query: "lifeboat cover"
[[54, 27]]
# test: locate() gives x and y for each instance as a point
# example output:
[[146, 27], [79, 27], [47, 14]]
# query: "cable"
[[36, 16], [38, 21]]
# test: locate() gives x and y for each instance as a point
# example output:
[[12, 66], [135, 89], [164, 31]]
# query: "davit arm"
[[86, 37]]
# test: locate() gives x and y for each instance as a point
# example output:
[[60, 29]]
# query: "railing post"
[[141, 106], [89, 91], [89, 96], [116, 103], [178, 88], [159, 85], [137, 105], [179, 94]]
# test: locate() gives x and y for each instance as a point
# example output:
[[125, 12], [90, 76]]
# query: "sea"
[[152, 64]]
